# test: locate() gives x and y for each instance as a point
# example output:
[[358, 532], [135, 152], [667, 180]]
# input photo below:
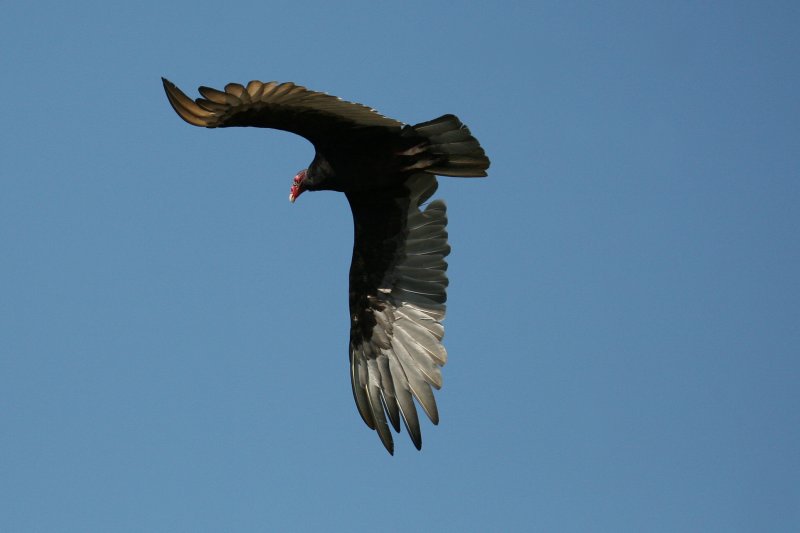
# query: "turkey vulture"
[[387, 170]]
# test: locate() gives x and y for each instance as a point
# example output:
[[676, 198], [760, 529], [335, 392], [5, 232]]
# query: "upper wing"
[[398, 286], [283, 106]]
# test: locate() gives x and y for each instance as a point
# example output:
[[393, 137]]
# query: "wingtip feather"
[[185, 107]]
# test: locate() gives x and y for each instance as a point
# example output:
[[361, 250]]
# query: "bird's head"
[[319, 176], [298, 185]]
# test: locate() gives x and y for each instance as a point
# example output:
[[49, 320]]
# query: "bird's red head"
[[297, 186]]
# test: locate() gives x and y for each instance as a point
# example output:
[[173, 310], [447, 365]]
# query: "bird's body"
[[398, 277]]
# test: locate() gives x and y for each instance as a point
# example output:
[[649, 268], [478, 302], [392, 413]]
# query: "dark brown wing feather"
[[284, 106], [397, 295]]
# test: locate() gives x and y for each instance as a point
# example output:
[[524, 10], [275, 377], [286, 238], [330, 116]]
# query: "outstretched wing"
[[398, 286], [284, 106]]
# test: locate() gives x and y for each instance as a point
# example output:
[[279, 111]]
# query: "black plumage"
[[398, 276]]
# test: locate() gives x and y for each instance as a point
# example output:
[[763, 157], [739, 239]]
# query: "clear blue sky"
[[623, 320]]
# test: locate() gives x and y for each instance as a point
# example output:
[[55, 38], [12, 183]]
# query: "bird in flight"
[[398, 280]]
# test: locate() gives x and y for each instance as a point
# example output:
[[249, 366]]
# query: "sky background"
[[623, 320]]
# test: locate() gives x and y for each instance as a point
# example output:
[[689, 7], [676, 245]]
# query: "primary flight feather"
[[387, 170]]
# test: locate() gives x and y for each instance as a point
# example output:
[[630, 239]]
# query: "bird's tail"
[[450, 150]]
